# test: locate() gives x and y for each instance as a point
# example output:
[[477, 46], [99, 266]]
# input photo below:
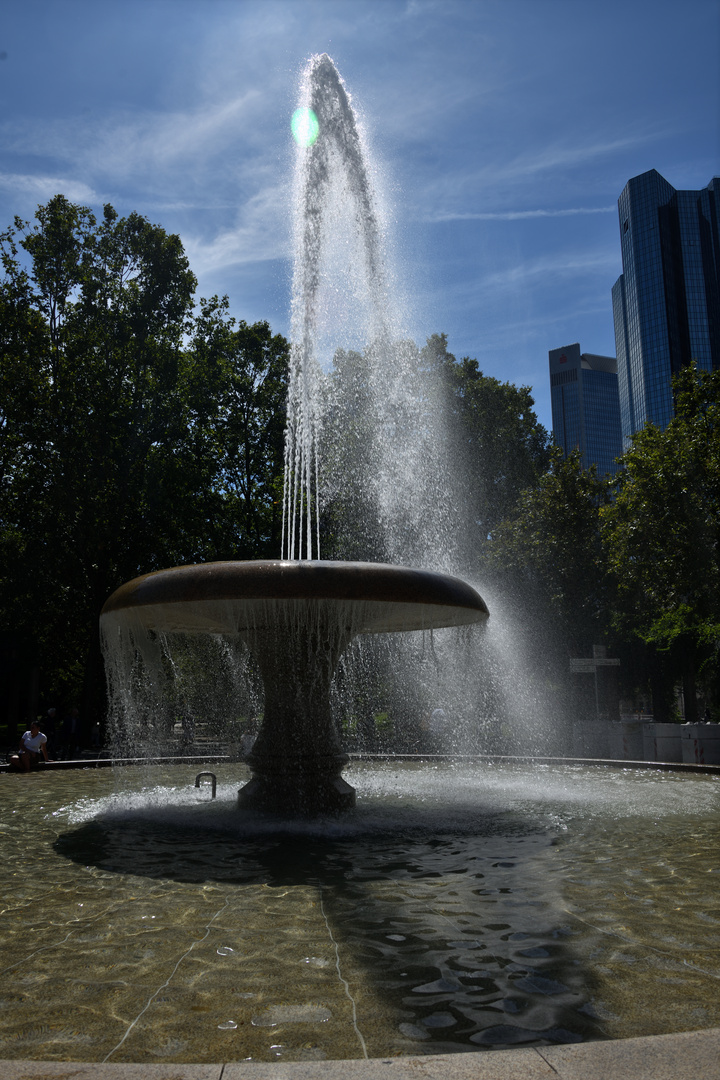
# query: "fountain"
[[299, 614], [297, 618], [461, 905]]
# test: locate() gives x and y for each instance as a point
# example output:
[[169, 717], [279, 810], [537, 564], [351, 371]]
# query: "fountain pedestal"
[[297, 758]]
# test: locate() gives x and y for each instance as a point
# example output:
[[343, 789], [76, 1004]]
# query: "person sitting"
[[32, 745]]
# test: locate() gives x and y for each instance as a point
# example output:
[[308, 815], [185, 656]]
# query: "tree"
[[93, 472], [549, 551], [661, 536], [237, 384], [121, 450], [453, 447], [350, 514], [497, 445]]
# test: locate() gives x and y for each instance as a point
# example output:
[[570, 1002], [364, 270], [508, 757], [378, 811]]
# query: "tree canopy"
[[498, 447], [549, 551], [636, 559], [661, 532], [464, 446], [134, 433]]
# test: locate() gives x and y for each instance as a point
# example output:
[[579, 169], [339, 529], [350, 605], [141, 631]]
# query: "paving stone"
[[87, 1070], [690, 1055], [685, 1056], [495, 1065]]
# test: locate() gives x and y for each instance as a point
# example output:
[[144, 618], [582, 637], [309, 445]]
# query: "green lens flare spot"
[[305, 126]]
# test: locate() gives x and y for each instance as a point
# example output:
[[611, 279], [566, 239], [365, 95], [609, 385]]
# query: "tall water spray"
[[336, 157], [367, 469], [365, 444], [371, 455], [367, 451]]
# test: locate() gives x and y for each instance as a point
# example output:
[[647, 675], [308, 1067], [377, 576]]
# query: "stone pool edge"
[[688, 1055]]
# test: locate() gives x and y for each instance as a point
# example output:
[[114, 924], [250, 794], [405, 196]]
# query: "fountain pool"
[[455, 908]]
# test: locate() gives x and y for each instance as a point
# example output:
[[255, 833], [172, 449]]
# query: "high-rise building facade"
[[666, 303], [586, 406]]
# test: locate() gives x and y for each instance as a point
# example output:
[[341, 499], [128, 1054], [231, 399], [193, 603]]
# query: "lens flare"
[[305, 126]]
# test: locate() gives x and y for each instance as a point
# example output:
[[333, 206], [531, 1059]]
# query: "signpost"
[[589, 666]]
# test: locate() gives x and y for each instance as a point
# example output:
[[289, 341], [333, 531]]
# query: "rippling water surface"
[[456, 908]]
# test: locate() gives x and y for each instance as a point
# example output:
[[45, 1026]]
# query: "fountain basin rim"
[[623, 764], [392, 597]]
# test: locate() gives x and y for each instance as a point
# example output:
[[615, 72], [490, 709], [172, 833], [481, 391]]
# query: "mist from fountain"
[[368, 456]]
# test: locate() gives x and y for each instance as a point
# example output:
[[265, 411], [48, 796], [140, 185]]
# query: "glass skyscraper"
[[666, 302], [586, 406]]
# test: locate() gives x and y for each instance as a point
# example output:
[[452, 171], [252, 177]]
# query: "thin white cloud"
[[518, 215], [553, 157], [560, 264], [532, 276], [419, 8], [527, 329], [162, 140], [261, 236], [457, 186], [125, 145], [41, 188]]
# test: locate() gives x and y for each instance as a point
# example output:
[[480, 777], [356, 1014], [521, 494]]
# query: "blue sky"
[[505, 130]]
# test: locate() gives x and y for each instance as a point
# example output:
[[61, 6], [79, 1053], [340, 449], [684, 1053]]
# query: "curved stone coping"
[[384, 598], [210, 759], [531, 759], [109, 763], [689, 1055]]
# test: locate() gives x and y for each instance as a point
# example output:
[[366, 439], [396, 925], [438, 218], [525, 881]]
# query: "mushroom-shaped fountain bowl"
[[297, 618]]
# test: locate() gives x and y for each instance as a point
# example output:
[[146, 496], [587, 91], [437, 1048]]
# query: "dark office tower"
[[585, 406], [666, 303]]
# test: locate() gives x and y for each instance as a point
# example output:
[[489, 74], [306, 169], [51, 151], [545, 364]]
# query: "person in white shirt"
[[32, 745]]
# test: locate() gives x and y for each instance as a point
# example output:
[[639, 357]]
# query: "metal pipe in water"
[[213, 778]]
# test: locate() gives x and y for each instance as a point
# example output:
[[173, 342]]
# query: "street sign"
[[591, 664]]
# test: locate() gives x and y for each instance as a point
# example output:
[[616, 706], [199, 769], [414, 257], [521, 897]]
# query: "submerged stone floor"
[[693, 1055], [645, 1056]]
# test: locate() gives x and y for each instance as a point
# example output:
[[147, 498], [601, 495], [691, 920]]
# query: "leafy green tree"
[[96, 475], [237, 384], [498, 447], [350, 515], [549, 552], [467, 445], [475, 443], [661, 537], [121, 449]]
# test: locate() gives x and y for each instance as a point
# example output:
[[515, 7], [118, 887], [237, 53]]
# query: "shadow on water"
[[247, 848], [450, 917]]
